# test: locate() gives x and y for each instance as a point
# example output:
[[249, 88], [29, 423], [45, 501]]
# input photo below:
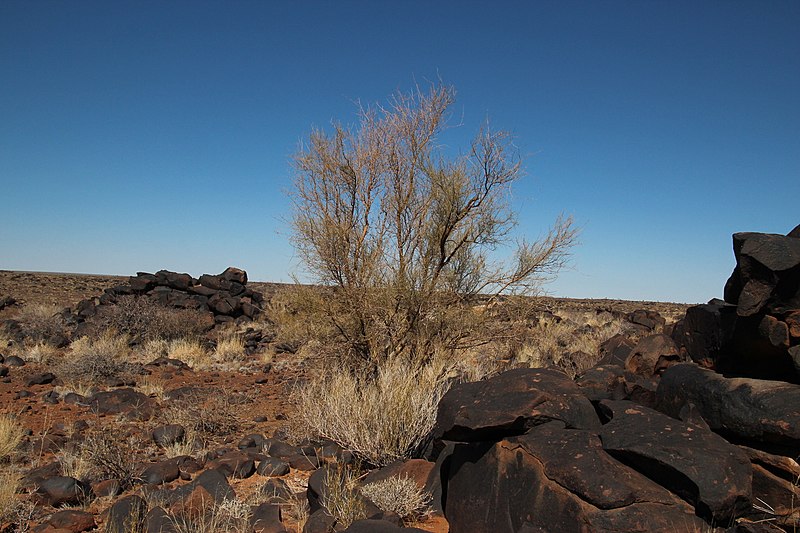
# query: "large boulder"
[[652, 355], [691, 461], [705, 333], [555, 479], [763, 414], [510, 404]]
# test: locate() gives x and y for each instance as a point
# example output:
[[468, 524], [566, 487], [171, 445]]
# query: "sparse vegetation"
[[10, 436], [143, 320], [40, 322], [401, 496], [341, 496], [379, 418], [569, 342], [402, 237]]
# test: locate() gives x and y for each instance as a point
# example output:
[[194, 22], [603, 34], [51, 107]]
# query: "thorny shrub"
[[92, 362], [40, 322], [144, 319]]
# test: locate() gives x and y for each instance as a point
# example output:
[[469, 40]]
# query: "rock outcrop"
[[755, 331]]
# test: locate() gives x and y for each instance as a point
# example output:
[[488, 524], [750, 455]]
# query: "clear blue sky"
[[148, 135]]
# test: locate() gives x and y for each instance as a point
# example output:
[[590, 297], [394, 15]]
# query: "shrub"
[[92, 362], [401, 496], [40, 322], [144, 319], [11, 433], [406, 236], [111, 457], [379, 418]]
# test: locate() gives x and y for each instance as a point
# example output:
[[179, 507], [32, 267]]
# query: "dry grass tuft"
[[230, 348], [94, 361], [379, 418], [401, 496], [190, 351], [9, 484], [341, 496], [11, 434], [228, 516], [41, 352], [571, 344]]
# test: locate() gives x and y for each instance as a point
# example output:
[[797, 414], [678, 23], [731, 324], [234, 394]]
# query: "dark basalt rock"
[[506, 487], [687, 459], [510, 404], [759, 413]]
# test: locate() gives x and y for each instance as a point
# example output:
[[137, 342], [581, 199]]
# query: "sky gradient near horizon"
[[136, 136]]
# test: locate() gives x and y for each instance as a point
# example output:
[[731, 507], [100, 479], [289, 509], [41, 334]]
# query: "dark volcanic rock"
[[63, 490], [697, 464], [652, 355], [134, 404], [554, 479], [706, 332], [615, 350], [71, 520], [510, 404], [612, 382], [127, 514], [760, 413]]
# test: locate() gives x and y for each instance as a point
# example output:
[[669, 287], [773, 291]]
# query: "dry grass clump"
[[572, 345], [94, 361], [401, 496], [41, 352], [75, 461], [214, 415], [227, 516], [11, 434], [341, 497], [381, 417], [230, 348], [144, 319], [40, 322], [191, 351], [9, 484]]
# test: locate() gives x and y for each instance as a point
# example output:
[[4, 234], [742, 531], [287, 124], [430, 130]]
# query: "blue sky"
[[148, 135]]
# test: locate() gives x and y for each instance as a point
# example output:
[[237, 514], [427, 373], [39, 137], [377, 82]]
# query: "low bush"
[[401, 496], [111, 457], [144, 319], [40, 322], [381, 417], [92, 362], [9, 504]]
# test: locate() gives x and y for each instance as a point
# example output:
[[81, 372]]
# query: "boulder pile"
[[225, 296], [755, 330], [671, 433]]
